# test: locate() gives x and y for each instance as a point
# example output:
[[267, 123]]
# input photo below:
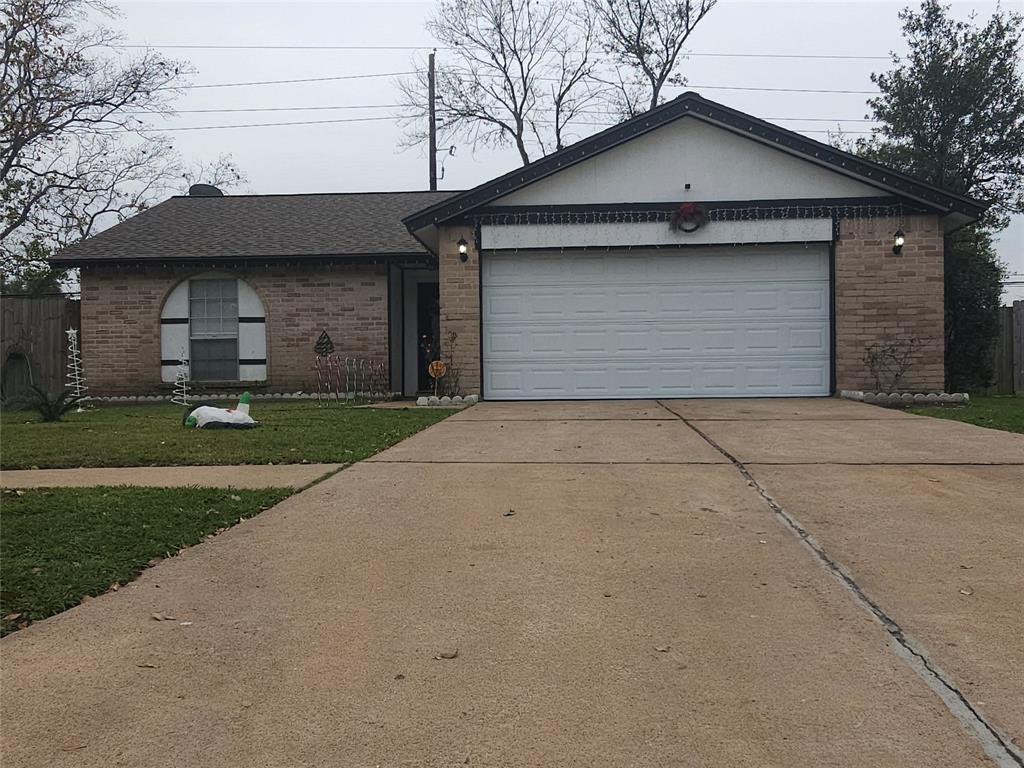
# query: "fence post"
[[1017, 361]]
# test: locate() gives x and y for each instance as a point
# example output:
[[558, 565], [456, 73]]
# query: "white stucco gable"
[[717, 163]]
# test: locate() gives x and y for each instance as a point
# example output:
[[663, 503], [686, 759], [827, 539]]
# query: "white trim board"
[[619, 235]]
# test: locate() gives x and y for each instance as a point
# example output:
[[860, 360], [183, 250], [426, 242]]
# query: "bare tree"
[[518, 74], [645, 38], [73, 153]]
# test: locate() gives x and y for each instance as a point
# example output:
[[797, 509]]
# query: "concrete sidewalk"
[[238, 476], [618, 593]]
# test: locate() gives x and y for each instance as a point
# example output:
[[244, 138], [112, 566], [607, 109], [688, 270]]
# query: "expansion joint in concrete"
[[998, 747]]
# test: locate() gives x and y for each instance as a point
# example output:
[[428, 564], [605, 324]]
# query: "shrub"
[[50, 407]]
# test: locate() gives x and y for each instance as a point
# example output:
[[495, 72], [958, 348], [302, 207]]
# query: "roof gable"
[[692, 105], [688, 159]]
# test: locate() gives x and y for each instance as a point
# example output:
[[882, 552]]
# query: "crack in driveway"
[[996, 746]]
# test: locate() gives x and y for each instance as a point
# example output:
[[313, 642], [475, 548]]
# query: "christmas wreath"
[[688, 217]]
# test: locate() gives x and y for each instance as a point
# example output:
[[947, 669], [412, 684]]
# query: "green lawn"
[[1001, 412], [152, 434], [58, 545]]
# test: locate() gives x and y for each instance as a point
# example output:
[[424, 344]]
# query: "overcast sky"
[[365, 156]]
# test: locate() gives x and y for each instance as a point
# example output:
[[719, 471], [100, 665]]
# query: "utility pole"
[[432, 149]]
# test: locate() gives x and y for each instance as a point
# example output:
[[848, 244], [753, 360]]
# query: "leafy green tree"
[[952, 113], [973, 289]]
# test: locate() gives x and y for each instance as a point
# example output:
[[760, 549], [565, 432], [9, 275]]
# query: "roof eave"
[[56, 261]]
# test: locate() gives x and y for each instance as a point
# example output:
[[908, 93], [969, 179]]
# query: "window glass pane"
[[214, 360], [213, 309]]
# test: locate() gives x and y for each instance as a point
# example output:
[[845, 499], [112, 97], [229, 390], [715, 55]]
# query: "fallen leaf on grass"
[[114, 587], [235, 497], [12, 616]]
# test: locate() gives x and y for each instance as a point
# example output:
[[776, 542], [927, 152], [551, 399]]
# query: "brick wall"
[[121, 320], [884, 296], [460, 303]]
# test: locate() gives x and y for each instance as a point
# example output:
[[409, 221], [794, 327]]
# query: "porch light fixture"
[[897, 241], [463, 250]]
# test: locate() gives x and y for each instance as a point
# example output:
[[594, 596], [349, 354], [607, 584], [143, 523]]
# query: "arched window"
[[217, 323]]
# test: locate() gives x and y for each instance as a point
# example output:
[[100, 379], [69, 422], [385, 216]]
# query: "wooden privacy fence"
[[33, 344], [1009, 352]]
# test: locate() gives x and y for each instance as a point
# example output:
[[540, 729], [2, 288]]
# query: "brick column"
[[883, 296], [460, 303]]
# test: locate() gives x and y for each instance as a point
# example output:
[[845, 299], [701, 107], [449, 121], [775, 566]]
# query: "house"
[[692, 251]]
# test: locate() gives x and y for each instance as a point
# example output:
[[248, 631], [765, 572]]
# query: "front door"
[[428, 332]]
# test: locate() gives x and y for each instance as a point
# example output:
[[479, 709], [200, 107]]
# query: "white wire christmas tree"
[[75, 376], [181, 383]]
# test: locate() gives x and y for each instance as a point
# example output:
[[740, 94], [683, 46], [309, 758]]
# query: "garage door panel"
[[716, 323], [745, 265], [610, 342], [655, 302], [665, 379]]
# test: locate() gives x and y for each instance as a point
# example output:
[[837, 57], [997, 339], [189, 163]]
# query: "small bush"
[[889, 360], [50, 407]]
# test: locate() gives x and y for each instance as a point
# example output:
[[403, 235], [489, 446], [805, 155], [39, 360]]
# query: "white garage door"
[[706, 322]]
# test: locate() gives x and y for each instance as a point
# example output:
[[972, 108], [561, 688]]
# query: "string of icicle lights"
[[654, 215]]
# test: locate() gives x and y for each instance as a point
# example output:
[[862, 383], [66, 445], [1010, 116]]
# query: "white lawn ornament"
[[211, 417], [182, 392], [75, 376]]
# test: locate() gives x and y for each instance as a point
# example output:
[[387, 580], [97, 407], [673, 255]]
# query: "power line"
[[268, 109], [553, 79], [363, 120], [777, 90], [274, 47], [263, 125], [283, 82], [401, 106]]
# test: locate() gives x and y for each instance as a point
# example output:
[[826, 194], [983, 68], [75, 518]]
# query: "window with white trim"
[[213, 329]]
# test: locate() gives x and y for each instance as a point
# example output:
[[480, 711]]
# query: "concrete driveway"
[[688, 583]]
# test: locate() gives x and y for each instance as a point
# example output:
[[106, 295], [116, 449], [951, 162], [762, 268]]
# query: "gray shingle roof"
[[260, 227]]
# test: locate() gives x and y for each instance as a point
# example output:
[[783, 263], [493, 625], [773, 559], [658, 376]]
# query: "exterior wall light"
[[897, 241], [464, 250]]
